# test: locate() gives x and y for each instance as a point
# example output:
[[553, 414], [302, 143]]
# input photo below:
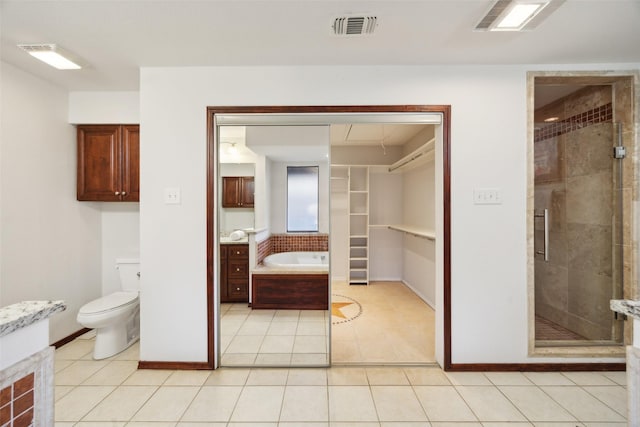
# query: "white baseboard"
[[422, 297]]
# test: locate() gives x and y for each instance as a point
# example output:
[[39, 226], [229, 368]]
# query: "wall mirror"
[[269, 138], [273, 281]]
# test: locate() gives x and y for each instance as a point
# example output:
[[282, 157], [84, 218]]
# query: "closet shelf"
[[414, 231], [422, 154]]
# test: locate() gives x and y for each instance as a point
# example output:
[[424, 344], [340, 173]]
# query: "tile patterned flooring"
[[382, 323], [395, 327], [273, 337], [113, 393]]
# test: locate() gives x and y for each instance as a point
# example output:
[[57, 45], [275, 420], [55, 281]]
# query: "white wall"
[[104, 107], [120, 239], [488, 149], [386, 206], [50, 243], [419, 256]]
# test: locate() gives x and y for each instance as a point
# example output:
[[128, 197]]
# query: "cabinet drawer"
[[237, 269], [238, 289], [238, 251]]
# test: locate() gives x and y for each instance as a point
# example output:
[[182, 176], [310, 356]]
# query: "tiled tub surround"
[[26, 364], [16, 402], [632, 309], [574, 177], [277, 243], [26, 391]]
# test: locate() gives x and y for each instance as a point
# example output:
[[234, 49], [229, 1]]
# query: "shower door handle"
[[545, 217]]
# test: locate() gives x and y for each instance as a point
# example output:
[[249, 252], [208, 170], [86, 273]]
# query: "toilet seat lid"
[[109, 302]]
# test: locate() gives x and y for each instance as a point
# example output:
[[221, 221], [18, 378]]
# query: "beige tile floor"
[[384, 322], [273, 337], [395, 326], [113, 393]]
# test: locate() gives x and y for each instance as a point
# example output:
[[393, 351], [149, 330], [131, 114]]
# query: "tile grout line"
[[602, 401]]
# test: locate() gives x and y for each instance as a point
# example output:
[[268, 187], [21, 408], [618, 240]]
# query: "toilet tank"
[[129, 271]]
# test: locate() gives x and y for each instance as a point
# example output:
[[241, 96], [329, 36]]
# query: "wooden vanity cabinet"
[[108, 163], [234, 273], [238, 191]]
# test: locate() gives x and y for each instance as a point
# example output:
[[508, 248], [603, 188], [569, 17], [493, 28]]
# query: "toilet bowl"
[[115, 317]]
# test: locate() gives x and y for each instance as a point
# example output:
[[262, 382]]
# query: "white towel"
[[237, 235]]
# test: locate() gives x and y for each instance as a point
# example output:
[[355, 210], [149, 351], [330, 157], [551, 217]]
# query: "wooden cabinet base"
[[290, 291]]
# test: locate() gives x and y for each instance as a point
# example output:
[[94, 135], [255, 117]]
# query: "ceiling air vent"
[[354, 25]]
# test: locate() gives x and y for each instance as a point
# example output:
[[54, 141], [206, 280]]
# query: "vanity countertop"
[[228, 241], [25, 313], [625, 306]]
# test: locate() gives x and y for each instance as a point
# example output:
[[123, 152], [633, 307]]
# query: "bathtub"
[[298, 260], [292, 281]]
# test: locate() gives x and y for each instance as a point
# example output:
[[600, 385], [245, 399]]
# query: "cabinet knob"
[[117, 193], [124, 193], [237, 252], [238, 269], [237, 289]]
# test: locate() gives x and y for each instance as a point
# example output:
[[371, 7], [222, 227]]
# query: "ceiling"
[[117, 37], [373, 134]]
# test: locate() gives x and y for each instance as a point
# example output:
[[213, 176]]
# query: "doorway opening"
[[383, 242], [310, 116]]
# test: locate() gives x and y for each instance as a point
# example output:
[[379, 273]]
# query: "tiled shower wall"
[[277, 243], [575, 179]]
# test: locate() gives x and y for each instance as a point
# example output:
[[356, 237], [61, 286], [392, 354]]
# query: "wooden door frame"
[[445, 110]]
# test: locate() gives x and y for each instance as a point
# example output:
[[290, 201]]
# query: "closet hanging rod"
[[421, 151], [415, 232], [406, 162]]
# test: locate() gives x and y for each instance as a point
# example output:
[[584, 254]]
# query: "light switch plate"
[[487, 196], [172, 196]]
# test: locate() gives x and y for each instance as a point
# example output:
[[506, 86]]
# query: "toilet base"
[[111, 340]]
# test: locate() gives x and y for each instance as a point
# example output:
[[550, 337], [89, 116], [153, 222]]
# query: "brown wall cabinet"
[[237, 191], [234, 273], [109, 163]]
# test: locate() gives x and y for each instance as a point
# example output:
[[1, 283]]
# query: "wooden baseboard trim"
[[70, 338], [183, 366], [534, 367]]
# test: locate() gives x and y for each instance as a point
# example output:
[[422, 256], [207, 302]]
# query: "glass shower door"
[[579, 238]]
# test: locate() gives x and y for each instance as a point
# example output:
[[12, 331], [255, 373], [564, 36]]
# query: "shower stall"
[[582, 231]]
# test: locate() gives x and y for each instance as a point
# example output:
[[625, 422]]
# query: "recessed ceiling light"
[[52, 55], [517, 15]]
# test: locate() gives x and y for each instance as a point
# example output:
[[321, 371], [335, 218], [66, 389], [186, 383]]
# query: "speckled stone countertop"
[[625, 306], [25, 313]]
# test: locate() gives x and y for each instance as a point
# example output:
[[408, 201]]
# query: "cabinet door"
[[130, 190], [98, 163], [231, 191], [238, 290], [237, 268], [238, 251], [248, 190]]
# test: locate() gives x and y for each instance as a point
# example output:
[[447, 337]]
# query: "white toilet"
[[115, 317]]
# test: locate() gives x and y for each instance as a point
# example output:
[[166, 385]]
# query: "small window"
[[302, 198]]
